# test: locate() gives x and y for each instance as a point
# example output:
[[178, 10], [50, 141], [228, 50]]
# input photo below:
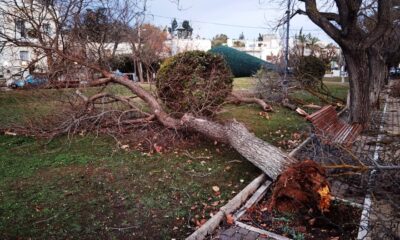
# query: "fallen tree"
[[270, 159], [78, 52]]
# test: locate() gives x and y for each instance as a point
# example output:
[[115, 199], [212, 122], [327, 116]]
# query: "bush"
[[309, 70], [123, 63], [269, 86], [195, 82], [241, 64]]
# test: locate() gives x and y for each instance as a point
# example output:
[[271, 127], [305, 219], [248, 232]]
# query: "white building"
[[14, 60], [177, 45], [269, 49]]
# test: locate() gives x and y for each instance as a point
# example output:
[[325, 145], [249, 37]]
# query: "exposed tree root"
[[301, 187]]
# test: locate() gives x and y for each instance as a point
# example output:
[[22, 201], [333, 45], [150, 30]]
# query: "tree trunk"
[[271, 160], [357, 64], [377, 69], [140, 70]]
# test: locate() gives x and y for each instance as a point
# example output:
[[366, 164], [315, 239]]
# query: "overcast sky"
[[231, 17]]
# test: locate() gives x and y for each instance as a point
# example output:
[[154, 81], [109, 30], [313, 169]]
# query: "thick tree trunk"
[[271, 160], [377, 72], [357, 64]]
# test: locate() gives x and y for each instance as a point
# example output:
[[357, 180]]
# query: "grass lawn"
[[336, 88], [88, 188]]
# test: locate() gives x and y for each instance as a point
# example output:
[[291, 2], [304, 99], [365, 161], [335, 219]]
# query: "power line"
[[213, 23], [229, 25]]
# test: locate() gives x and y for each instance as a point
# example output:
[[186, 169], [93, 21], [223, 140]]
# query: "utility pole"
[[285, 76]]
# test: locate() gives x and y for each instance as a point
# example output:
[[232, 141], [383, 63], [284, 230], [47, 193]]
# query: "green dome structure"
[[241, 63]]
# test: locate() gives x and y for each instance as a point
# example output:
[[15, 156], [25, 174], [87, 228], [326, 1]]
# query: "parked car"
[[29, 82], [394, 72]]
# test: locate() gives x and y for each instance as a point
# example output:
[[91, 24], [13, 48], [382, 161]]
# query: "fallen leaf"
[[264, 209], [157, 148], [214, 204], [124, 147], [229, 219], [201, 222], [311, 221], [215, 188]]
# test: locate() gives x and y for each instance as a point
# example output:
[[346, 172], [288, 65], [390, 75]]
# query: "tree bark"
[[140, 70], [270, 159], [359, 86], [377, 72]]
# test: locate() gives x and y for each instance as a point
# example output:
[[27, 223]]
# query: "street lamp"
[[285, 76]]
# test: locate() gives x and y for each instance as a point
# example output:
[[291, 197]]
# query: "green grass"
[[244, 83], [88, 188], [337, 89], [335, 79], [280, 125]]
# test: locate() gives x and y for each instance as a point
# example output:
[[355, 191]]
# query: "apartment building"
[[16, 32]]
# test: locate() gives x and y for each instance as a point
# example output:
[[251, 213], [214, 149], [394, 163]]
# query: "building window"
[[24, 55], [20, 27]]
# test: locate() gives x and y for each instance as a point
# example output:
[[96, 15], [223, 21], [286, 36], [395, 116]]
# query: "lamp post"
[[285, 76]]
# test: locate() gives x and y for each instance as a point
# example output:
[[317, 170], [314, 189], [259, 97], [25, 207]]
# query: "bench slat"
[[331, 129]]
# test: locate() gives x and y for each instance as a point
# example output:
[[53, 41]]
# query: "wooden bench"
[[332, 130]]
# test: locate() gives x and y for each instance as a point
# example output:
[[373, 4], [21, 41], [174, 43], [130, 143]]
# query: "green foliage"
[[241, 64], [196, 82], [309, 70], [173, 27], [295, 235], [95, 22], [123, 63], [219, 40], [260, 38]]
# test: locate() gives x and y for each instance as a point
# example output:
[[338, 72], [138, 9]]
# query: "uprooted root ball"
[[301, 187]]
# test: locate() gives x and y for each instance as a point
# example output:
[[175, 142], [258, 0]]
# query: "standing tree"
[[260, 38], [153, 49], [219, 40], [241, 36], [174, 25], [346, 29], [188, 30]]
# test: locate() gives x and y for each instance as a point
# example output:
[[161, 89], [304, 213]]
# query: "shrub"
[[309, 70], [241, 64], [269, 86], [196, 82], [124, 63]]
